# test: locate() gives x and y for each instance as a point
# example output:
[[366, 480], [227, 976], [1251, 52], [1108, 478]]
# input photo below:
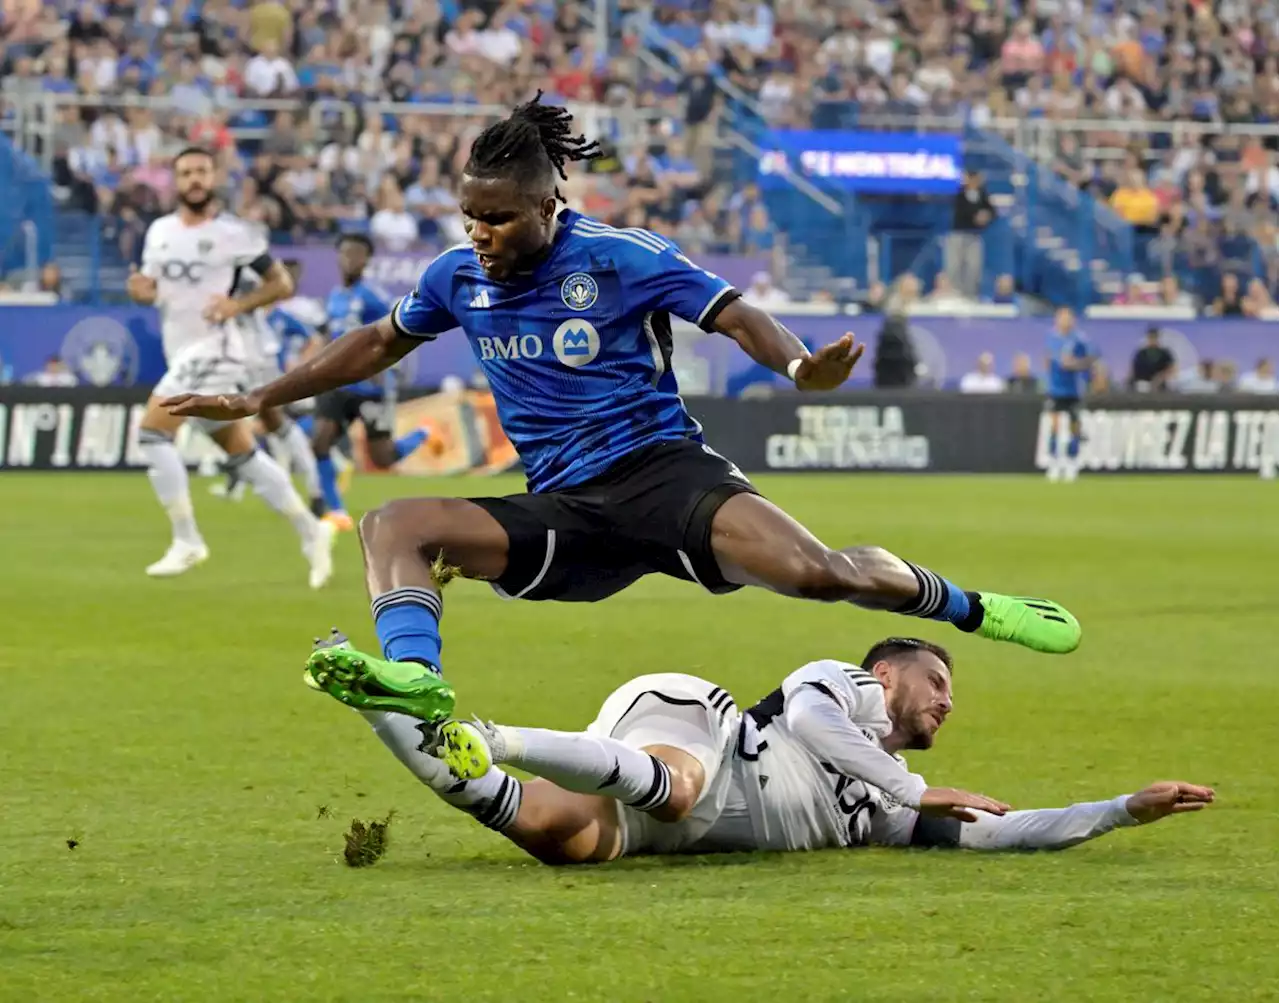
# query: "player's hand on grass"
[[217, 407], [830, 365], [1168, 797], [950, 802], [221, 308]]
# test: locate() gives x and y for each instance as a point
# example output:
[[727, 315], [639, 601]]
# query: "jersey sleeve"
[[668, 281], [249, 247], [425, 313], [150, 266], [837, 712]]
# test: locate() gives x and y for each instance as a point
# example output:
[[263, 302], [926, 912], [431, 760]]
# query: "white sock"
[[589, 764], [168, 475], [297, 447], [493, 800], [270, 482]]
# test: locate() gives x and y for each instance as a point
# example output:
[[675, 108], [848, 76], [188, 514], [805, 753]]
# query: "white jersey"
[[193, 264], [799, 756]]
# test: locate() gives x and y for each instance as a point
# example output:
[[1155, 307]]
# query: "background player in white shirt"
[[670, 766], [213, 342]]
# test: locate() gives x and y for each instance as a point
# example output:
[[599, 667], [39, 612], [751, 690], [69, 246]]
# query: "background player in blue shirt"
[[350, 306], [1069, 367], [570, 321]]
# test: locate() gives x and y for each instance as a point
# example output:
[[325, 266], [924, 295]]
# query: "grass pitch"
[[174, 804]]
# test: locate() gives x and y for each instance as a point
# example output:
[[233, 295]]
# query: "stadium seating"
[[1110, 148]]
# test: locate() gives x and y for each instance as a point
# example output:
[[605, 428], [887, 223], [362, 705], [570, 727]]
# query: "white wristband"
[[793, 367]]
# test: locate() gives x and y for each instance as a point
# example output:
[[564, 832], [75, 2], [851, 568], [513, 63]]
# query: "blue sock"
[[409, 443], [408, 623], [306, 423], [1073, 447], [939, 599], [329, 483]]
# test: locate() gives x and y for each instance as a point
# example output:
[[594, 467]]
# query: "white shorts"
[[686, 713], [203, 369]]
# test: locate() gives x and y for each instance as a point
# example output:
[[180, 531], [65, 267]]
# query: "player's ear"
[[883, 671], [548, 208]]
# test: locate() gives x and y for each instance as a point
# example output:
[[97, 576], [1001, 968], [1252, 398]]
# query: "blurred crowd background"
[[1144, 131]]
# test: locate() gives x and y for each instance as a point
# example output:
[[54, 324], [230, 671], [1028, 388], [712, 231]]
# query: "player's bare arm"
[[141, 288], [276, 285], [356, 356], [772, 345]]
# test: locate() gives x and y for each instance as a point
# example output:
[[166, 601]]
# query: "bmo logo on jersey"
[[576, 343]]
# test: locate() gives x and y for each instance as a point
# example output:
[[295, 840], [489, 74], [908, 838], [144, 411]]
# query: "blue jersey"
[[577, 352], [291, 333], [349, 307], [1068, 384]]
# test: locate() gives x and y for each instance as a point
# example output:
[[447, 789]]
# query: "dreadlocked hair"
[[522, 145]]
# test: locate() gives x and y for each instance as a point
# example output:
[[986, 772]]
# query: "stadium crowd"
[[1204, 207]]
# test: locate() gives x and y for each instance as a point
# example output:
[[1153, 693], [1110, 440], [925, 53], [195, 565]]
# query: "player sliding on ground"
[[670, 765], [570, 321]]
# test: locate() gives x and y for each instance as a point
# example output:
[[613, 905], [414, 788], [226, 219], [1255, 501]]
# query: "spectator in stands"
[[895, 360], [984, 379], [1136, 203], [1006, 290], [1229, 302], [765, 295], [1153, 365], [54, 374], [1200, 380], [1136, 292], [391, 227], [1022, 378], [50, 280], [972, 213], [944, 296], [1260, 380]]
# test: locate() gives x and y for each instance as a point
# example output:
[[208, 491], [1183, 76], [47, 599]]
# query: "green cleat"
[[1037, 624], [367, 683], [465, 749]]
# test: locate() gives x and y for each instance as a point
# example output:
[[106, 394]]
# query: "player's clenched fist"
[[950, 802], [141, 288]]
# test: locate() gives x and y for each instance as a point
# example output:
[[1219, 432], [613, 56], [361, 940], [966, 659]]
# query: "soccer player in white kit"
[[670, 765], [213, 343]]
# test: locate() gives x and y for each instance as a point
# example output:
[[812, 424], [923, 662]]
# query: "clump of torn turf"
[[367, 841]]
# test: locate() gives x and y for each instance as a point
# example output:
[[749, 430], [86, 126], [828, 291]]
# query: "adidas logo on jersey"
[[480, 301]]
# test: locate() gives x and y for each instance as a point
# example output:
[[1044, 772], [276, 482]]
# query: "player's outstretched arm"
[[1060, 828], [772, 345], [356, 356]]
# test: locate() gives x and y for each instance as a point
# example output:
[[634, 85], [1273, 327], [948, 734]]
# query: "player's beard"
[[196, 203], [915, 727]]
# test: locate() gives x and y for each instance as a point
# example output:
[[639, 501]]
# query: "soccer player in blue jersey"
[[355, 303], [1069, 366], [570, 321]]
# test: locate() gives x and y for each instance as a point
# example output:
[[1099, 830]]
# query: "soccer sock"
[[327, 474], [408, 624], [409, 443], [168, 475], [590, 764], [1072, 464], [270, 481], [297, 447], [492, 800], [939, 599]]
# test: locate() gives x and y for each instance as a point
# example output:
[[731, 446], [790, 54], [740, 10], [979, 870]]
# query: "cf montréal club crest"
[[579, 291]]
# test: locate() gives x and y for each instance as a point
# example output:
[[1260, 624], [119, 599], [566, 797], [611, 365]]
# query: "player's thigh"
[[157, 419], [560, 827], [334, 411], [664, 500], [235, 438], [560, 549], [754, 542], [458, 531], [379, 420]]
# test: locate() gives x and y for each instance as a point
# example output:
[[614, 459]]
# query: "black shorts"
[[342, 407], [649, 513], [1064, 405]]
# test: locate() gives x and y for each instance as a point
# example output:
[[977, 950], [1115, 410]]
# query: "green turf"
[[163, 726]]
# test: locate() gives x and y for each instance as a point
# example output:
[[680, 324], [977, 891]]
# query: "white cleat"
[[319, 554], [180, 558]]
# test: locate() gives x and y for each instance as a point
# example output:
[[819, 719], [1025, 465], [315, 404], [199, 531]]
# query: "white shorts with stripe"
[[686, 713]]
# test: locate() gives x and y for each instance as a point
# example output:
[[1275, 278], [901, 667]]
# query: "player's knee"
[[417, 521], [685, 790]]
